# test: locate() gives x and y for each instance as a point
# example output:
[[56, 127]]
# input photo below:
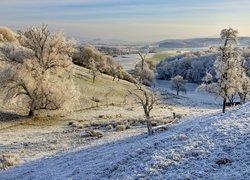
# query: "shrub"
[[128, 126], [121, 127], [109, 127], [8, 160], [95, 133]]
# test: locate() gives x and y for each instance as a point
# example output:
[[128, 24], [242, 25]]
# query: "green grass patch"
[[162, 55]]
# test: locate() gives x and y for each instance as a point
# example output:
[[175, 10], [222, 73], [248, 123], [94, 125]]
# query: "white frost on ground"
[[213, 146], [191, 98]]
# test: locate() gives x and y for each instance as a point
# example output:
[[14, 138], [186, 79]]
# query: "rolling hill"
[[198, 42]]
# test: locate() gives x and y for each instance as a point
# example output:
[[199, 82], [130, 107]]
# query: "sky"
[[130, 20]]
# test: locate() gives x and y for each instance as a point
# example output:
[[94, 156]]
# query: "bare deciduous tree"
[[42, 73], [144, 70], [141, 67], [147, 99]]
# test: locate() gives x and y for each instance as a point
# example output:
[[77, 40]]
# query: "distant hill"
[[198, 42]]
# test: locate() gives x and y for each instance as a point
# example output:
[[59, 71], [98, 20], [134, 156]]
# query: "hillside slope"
[[205, 147], [103, 92]]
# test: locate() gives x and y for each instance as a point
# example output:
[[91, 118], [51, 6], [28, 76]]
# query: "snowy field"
[[213, 146], [189, 99], [201, 144]]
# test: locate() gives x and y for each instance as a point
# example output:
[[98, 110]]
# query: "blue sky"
[[132, 20]]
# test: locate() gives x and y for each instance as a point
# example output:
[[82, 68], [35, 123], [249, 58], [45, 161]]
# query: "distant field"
[[162, 55]]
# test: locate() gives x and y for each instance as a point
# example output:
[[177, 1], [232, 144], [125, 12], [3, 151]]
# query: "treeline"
[[193, 66], [89, 57]]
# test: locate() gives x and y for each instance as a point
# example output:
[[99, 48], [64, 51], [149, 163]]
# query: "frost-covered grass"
[[36, 138], [202, 145], [189, 99], [211, 146]]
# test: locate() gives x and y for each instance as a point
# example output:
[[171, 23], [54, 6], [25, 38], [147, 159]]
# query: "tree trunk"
[[114, 78], [149, 126], [242, 98], [177, 92], [93, 79], [224, 105], [174, 116], [31, 113]]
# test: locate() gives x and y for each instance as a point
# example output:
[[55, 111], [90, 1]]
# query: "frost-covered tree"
[[39, 69], [144, 75], [93, 69], [229, 69], [147, 99], [104, 64], [192, 66], [119, 72], [7, 35], [178, 84], [144, 70], [243, 85], [228, 64], [207, 79]]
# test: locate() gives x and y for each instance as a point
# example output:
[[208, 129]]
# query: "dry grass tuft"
[[95, 133], [109, 127], [121, 127], [8, 160]]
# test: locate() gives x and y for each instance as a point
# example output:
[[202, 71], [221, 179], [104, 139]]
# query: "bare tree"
[[147, 99], [178, 84], [42, 73], [144, 70], [143, 59]]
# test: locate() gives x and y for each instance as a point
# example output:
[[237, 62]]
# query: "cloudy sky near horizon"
[[132, 20]]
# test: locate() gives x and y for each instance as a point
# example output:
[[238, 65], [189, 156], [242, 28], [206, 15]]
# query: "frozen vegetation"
[[67, 111], [209, 146]]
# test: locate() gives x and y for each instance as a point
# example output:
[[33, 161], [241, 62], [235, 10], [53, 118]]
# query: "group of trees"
[[231, 71], [38, 69], [192, 66], [89, 57]]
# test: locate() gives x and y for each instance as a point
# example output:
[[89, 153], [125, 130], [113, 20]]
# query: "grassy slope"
[[83, 81], [162, 55], [104, 89]]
